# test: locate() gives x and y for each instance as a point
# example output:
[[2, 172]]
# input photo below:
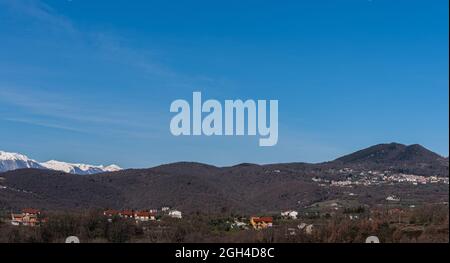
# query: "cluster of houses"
[[415, 179], [366, 178], [32, 217], [137, 215], [143, 215], [255, 222], [28, 217]]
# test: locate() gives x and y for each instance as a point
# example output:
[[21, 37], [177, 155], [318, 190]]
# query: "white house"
[[309, 229], [175, 214], [290, 214], [144, 216], [392, 198], [238, 224]]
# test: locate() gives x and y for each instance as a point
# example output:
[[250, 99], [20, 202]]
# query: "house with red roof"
[[139, 216], [261, 222], [111, 213], [144, 216], [126, 213], [28, 217]]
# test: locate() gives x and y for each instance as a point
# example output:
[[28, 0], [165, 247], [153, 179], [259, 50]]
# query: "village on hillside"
[[352, 177]]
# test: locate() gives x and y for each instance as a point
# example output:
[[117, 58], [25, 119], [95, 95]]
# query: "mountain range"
[[13, 161], [246, 188]]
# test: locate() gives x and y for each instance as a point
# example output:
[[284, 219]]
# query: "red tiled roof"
[[30, 211], [17, 216], [263, 219], [111, 212], [143, 213]]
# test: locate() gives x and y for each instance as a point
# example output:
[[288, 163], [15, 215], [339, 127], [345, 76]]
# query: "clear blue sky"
[[92, 81]]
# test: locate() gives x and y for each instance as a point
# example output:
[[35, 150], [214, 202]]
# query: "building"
[[239, 225], [175, 214], [31, 211], [126, 214], [261, 222], [111, 213], [28, 217], [307, 228], [290, 214], [144, 216], [393, 198], [139, 216]]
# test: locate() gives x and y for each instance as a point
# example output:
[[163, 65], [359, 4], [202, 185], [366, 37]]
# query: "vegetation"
[[428, 223]]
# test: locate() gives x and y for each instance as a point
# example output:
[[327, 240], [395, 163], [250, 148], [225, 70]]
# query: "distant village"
[[369, 178]]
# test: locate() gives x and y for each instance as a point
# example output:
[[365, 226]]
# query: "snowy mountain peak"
[[13, 156], [59, 166], [79, 168], [12, 161], [112, 168]]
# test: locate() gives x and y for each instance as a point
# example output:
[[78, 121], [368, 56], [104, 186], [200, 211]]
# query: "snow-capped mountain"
[[12, 161], [77, 168]]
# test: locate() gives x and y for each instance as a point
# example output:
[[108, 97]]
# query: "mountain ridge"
[[385, 154], [248, 188], [13, 161]]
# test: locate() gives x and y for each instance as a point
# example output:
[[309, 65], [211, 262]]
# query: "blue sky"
[[92, 81]]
